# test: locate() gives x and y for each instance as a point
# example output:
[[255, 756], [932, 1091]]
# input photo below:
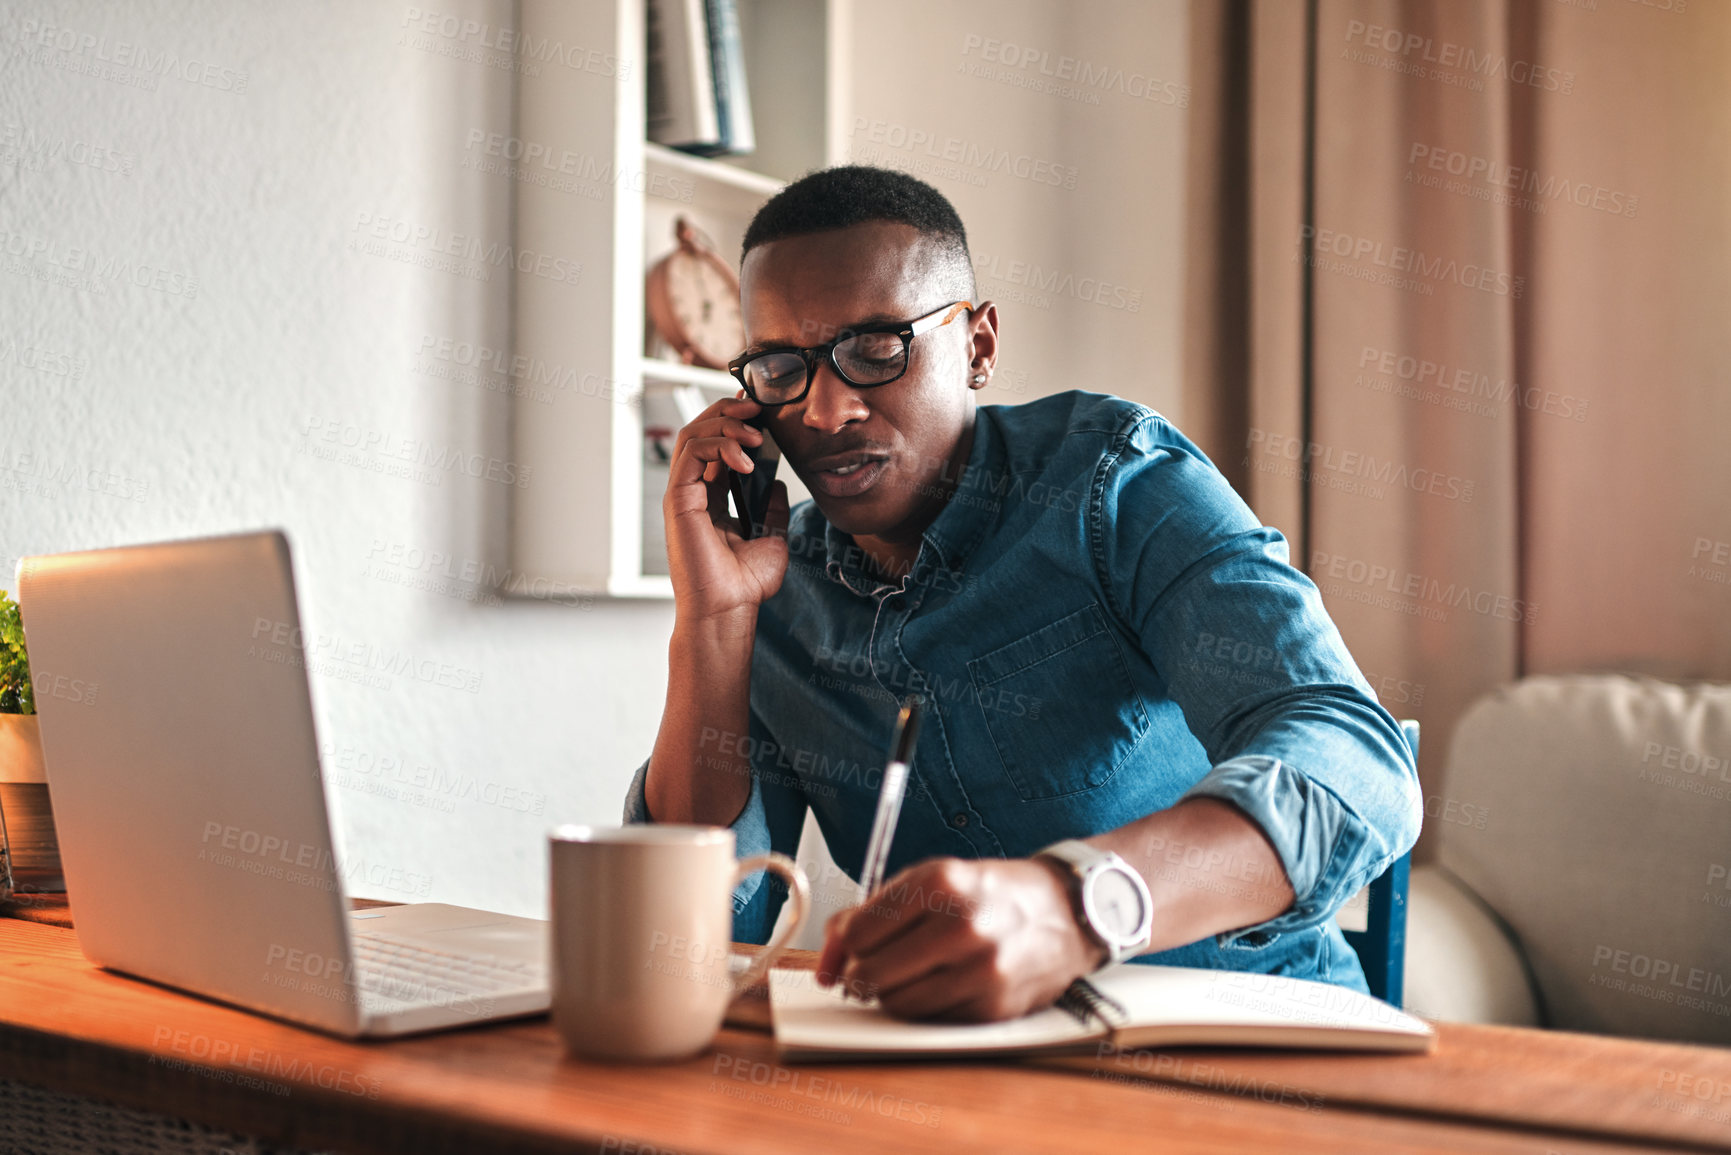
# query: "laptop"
[[177, 733]]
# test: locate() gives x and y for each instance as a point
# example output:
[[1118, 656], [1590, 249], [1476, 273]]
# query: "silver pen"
[[890, 793]]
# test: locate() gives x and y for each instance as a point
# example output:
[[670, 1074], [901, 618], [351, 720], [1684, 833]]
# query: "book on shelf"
[[680, 103], [1121, 1007], [698, 100], [735, 135]]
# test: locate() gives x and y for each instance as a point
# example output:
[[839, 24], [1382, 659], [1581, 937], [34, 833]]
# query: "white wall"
[[135, 411], [1057, 129]]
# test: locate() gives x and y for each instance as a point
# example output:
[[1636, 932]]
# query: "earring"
[[979, 378]]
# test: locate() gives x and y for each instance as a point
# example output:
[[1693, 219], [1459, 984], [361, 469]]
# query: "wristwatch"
[[1112, 901]]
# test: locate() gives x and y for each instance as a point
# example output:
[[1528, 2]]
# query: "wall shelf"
[[591, 518], [716, 381], [704, 171]]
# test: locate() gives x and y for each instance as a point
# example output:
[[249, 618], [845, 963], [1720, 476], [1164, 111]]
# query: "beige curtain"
[[1459, 323]]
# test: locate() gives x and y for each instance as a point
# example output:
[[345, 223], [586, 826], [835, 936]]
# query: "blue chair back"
[[1381, 945]]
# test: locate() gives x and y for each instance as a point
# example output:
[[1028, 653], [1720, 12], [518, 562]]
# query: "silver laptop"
[[177, 732]]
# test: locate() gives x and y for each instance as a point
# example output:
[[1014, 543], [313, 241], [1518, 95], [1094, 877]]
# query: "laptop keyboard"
[[393, 972]]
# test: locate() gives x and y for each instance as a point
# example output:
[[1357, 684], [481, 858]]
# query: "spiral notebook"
[[1122, 1006]]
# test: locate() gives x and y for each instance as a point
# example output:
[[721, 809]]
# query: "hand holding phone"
[[721, 563], [751, 491]]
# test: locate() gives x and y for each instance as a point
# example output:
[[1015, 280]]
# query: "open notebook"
[[1122, 1006]]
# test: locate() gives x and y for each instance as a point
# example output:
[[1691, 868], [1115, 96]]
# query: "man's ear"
[[983, 348]]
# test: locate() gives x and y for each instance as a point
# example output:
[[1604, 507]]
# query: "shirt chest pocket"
[[1060, 706]]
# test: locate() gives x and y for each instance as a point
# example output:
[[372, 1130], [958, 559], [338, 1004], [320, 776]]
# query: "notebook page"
[[1271, 1005], [811, 1021]]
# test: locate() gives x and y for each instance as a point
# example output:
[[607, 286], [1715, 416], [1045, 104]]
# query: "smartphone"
[[751, 490]]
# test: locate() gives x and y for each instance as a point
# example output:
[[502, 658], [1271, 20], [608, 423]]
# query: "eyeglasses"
[[863, 357]]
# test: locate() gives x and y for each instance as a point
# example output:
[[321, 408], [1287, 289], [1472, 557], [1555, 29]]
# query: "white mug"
[[642, 918]]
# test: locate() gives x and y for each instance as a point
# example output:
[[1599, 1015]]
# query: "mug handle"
[[800, 892]]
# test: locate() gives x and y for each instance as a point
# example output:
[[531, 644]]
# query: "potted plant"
[[29, 852]]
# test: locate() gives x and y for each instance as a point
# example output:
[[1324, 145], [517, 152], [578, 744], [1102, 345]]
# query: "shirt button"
[[959, 820]]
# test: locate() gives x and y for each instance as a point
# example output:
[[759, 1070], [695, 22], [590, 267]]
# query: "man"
[[1109, 646]]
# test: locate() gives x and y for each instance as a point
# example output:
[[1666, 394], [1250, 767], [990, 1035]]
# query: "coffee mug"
[[642, 917]]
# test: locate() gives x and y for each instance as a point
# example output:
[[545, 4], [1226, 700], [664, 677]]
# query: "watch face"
[[1117, 904]]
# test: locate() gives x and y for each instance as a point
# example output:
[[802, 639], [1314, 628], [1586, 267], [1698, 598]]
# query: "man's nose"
[[832, 402]]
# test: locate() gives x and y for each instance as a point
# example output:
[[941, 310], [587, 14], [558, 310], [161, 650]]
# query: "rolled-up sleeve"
[[773, 817], [1293, 733]]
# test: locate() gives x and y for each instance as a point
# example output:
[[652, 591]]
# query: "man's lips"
[[847, 474]]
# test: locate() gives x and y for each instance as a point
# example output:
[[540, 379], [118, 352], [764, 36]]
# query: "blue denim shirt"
[[1101, 628]]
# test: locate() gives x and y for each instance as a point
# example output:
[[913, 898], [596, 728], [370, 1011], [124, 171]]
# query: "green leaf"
[[17, 695]]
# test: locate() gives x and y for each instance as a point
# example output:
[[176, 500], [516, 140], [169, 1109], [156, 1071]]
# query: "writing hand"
[[962, 940]]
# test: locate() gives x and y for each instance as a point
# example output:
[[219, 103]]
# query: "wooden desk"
[[69, 1027]]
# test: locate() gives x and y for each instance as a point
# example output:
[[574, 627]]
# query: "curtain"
[[1459, 285]]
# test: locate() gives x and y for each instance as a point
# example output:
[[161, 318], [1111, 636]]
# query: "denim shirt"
[[1100, 628]]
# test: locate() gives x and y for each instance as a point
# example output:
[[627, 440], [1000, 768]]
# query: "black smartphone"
[[751, 490]]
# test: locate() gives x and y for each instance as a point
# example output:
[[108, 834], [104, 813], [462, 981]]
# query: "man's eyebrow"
[[853, 326]]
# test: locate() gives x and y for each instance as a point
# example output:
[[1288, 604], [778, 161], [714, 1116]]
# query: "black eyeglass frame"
[[825, 353]]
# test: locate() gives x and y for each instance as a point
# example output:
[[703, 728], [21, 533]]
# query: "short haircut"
[[837, 198]]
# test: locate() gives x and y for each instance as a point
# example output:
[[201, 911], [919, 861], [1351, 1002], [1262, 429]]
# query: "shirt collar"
[[953, 534]]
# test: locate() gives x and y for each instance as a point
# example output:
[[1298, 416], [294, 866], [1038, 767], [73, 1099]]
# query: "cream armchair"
[[1583, 846]]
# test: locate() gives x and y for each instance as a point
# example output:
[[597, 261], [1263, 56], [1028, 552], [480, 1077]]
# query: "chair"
[[1381, 945], [1579, 878]]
